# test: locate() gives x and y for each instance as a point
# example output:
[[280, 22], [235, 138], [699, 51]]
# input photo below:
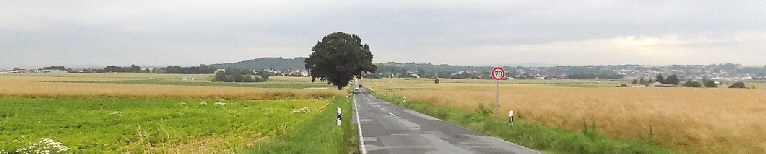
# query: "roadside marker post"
[[498, 74], [338, 116], [510, 117]]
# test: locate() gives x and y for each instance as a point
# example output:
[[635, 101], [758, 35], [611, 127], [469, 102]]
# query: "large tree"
[[660, 78], [672, 79], [338, 57]]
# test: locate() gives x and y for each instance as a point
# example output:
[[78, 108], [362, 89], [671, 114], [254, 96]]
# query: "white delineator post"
[[338, 116], [510, 117]]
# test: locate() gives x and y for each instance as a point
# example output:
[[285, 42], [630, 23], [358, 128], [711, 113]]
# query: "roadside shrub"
[[484, 109], [738, 84], [709, 83], [690, 83]]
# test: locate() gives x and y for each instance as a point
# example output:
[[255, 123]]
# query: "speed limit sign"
[[498, 73]]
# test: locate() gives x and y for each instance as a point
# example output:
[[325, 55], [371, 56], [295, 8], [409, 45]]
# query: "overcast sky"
[[662, 32]]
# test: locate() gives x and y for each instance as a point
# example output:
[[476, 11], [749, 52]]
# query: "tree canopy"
[[690, 83], [201, 69], [660, 78], [738, 84], [238, 75], [338, 57], [672, 79]]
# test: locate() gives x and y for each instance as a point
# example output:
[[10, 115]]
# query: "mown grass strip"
[[549, 140], [318, 135]]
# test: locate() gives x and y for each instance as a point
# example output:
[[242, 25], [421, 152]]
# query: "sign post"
[[498, 74]]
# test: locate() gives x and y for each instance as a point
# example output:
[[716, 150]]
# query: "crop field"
[[275, 82], [96, 85], [704, 120], [148, 125], [95, 113]]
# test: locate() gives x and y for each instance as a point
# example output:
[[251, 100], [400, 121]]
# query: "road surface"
[[388, 128]]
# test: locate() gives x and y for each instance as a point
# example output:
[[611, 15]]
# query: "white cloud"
[[654, 50]]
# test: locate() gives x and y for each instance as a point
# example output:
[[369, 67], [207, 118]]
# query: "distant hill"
[[266, 63]]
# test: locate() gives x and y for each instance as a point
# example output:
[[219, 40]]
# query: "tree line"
[[130, 69], [201, 69], [674, 80], [240, 75]]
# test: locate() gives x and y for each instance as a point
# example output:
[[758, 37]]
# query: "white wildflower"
[[45, 145], [220, 103], [301, 110]]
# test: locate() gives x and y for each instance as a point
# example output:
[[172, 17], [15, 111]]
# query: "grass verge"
[[318, 135], [548, 140]]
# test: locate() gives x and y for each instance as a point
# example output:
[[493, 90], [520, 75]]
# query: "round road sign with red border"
[[498, 73]]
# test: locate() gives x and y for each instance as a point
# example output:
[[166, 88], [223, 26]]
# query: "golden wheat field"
[[50, 85], [715, 120]]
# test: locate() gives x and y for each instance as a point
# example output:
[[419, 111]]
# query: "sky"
[[159, 33]]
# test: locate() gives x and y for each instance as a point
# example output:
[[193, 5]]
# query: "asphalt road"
[[388, 128]]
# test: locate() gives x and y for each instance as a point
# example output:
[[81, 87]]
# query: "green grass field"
[[94, 125], [318, 135]]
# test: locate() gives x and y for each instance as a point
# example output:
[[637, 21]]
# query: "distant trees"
[[709, 83], [117, 69], [593, 75], [582, 76], [690, 83], [672, 79], [738, 84], [55, 68], [372, 76], [642, 81], [465, 75], [660, 79], [134, 69], [237, 75], [201, 69]]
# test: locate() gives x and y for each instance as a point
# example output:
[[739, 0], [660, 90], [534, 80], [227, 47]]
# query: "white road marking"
[[427, 117], [362, 148]]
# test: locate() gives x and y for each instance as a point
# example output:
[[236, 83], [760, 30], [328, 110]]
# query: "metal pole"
[[497, 97]]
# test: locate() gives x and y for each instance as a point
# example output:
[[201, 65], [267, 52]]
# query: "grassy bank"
[[318, 135], [155, 125], [550, 140]]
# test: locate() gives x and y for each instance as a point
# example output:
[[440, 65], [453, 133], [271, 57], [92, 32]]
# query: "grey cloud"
[[192, 32]]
